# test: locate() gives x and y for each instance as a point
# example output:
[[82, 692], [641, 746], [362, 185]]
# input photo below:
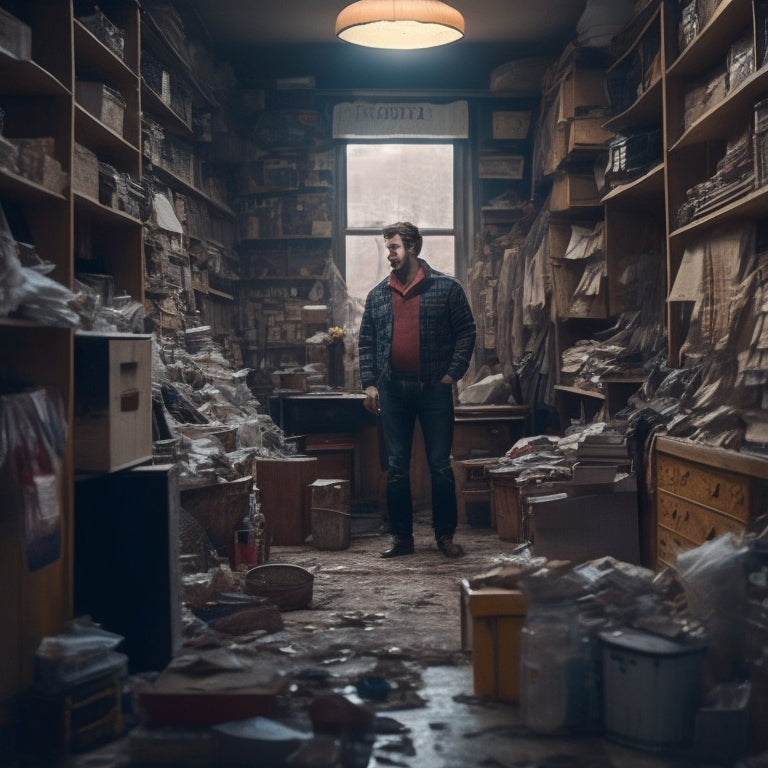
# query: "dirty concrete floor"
[[399, 619]]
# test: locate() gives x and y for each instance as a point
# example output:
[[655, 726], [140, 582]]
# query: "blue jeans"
[[403, 400]]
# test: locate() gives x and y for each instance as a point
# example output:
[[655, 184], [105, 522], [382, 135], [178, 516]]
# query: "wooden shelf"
[[720, 120], [645, 111], [593, 393], [104, 212], [93, 55], [154, 105], [22, 188], [175, 180], [157, 41], [282, 238], [18, 77], [101, 139], [648, 187], [710, 45], [751, 206]]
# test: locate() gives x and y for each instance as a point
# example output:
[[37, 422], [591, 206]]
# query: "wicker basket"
[[289, 587]]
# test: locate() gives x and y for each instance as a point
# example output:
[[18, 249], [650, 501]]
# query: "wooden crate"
[[284, 483]]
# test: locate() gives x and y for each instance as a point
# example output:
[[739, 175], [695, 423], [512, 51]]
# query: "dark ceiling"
[[293, 38]]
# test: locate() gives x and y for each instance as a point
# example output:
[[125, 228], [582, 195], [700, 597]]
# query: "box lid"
[[495, 601]]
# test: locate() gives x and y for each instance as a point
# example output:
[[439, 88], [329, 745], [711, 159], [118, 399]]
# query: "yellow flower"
[[335, 333]]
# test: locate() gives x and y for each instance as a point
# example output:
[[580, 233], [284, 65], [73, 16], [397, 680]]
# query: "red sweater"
[[405, 332]]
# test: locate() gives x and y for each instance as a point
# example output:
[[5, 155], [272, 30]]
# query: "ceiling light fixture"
[[400, 24]]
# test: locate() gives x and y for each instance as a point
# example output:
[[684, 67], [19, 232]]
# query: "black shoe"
[[399, 547], [446, 545]]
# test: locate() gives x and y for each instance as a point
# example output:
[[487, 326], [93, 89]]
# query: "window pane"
[[400, 182], [367, 261]]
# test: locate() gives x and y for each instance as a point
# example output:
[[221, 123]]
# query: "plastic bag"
[[32, 444], [11, 276]]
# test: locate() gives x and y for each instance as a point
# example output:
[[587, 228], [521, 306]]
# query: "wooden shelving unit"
[[77, 231]]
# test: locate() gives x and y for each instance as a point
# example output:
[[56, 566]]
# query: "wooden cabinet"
[[701, 493]]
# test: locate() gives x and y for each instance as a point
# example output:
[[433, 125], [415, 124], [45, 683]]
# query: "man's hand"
[[371, 401]]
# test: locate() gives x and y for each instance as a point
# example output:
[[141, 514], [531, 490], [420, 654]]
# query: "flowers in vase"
[[335, 334]]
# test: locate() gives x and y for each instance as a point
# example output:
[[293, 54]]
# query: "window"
[[388, 182]]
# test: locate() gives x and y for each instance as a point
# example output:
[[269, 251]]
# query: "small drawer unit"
[[701, 493], [113, 401]]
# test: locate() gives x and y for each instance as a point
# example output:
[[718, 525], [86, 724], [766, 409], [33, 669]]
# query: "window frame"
[[462, 203]]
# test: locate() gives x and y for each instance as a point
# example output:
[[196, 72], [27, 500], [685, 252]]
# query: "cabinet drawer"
[[694, 522], [669, 545], [718, 490]]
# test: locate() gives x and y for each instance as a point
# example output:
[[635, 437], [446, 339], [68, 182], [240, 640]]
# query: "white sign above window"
[[401, 120]]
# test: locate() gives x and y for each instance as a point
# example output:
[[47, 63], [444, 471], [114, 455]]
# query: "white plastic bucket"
[[651, 689]]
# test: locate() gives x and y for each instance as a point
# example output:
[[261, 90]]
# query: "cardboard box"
[[573, 190], [582, 93], [587, 527], [587, 133], [497, 618], [113, 401]]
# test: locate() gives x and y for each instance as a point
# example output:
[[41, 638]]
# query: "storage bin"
[[651, 689], [498, 616], [104, 103], [85, 172]]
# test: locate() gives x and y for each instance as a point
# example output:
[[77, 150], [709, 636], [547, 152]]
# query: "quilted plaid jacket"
[[446, 335]]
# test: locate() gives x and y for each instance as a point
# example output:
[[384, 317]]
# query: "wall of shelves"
[[698, 137], [702, 195], [36, 95], [78, 228]]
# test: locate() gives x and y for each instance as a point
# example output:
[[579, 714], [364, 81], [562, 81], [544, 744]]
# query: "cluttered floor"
[[384, 636]]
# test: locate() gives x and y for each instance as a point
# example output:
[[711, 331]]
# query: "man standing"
[[416, 339]]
